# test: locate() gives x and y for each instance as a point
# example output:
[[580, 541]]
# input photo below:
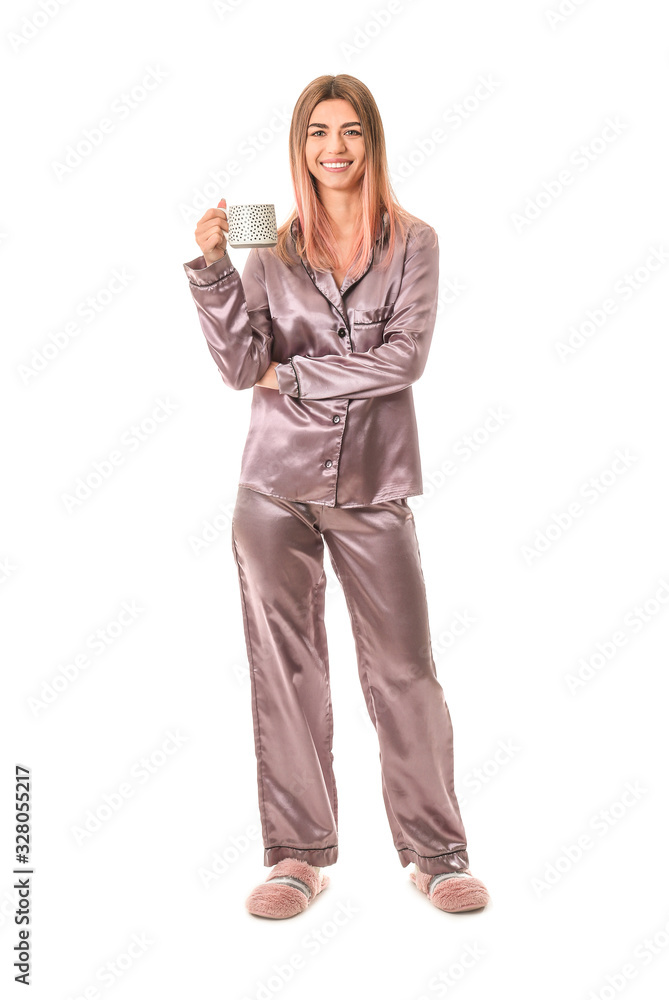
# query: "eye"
[[320, 131]]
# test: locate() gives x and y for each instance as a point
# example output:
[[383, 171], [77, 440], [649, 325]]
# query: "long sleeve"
[[390, 366], [234, 316]]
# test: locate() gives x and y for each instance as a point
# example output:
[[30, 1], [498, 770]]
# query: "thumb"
[[222, 203]]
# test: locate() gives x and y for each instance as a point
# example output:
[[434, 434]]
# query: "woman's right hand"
[[210, 233]]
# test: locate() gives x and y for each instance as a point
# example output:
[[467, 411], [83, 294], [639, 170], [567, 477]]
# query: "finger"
[[215, 233], [213, 213], [216, 225], [213, 242]]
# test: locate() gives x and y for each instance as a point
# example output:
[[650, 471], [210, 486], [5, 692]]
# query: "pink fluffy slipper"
[[452, 891], [287, 890]]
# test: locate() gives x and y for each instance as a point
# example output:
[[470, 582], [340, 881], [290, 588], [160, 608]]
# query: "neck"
[[344, 209]]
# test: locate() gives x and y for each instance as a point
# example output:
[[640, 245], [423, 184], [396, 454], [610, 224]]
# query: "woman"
[[331, 327]]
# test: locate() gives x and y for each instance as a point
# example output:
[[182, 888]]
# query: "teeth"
[[343, 163]]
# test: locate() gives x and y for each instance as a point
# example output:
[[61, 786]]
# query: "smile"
[[336, 165]]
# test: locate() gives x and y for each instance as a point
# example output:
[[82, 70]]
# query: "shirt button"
[[328, 464], [342, 331], [335, 420]]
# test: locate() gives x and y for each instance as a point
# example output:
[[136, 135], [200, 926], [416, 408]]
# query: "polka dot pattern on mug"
[[252, 226]]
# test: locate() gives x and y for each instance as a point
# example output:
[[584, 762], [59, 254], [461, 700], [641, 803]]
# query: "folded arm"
[[390, 366]]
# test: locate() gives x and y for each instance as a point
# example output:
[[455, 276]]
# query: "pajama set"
[[331, 457]]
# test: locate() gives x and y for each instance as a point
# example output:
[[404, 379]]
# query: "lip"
[[335, 170]]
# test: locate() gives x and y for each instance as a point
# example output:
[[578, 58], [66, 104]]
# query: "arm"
[[234, 316], [391, 366]]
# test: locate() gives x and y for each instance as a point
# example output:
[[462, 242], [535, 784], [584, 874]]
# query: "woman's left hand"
[[269, 379]]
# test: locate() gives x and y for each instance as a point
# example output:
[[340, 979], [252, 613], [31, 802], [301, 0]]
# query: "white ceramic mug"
[[252, 226]]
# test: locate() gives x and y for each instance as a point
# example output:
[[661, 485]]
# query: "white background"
[[563, 921]]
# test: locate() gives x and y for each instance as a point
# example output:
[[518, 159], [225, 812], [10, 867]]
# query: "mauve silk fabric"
[[341, 429]]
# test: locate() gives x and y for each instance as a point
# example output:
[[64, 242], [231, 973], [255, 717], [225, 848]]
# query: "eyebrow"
[[320, 125]]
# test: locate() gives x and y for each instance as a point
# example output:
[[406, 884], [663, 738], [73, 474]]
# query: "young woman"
[[331, 327]]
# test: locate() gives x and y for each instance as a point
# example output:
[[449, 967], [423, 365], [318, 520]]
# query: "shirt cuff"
[[203, 274], [286, 376]]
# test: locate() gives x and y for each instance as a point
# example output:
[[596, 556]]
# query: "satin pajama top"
[[341, 429]]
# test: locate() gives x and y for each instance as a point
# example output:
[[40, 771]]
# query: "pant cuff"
[[435, 864], [318, 856]]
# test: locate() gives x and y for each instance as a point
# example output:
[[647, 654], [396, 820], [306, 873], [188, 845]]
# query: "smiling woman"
[[340, 177], [338, 149], [331, 327]]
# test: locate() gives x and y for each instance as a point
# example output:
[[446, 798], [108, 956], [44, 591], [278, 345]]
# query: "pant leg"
[[279, 554], [375, 554]]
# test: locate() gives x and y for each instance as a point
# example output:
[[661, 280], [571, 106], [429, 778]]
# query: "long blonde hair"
[[315, 239]]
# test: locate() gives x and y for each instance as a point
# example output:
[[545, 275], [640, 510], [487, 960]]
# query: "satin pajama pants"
[[278, 548]]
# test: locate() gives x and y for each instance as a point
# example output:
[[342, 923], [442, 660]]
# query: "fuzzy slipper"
[[452, 891], [287, 890]]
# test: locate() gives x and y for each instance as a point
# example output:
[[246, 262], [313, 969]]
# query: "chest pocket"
[[368, 327]]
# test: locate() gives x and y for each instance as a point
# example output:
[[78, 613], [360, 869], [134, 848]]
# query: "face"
[[334, 136]]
